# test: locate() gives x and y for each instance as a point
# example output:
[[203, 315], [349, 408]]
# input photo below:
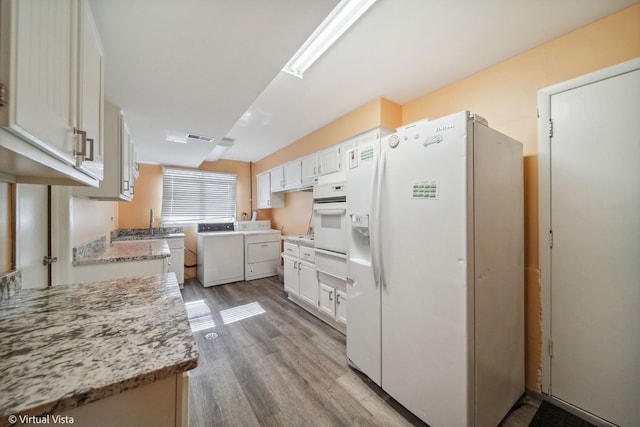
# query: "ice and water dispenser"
[[360, 242]]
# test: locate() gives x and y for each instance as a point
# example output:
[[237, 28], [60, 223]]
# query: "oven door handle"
[[321, 211], [330, 253]]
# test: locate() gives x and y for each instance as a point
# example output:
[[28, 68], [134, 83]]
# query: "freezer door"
[[424, 258], [363, 327]]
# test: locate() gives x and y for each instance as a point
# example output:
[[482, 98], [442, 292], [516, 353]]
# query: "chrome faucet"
[[151, 220]]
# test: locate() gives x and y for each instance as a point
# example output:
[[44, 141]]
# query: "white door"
[[595, 255], [32, 234]]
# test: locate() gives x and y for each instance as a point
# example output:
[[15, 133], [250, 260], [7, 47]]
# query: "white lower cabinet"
[[291, 281], [341, 307], [333, 303], [327, 300], [169, 398], [308, 282], [321, 294]]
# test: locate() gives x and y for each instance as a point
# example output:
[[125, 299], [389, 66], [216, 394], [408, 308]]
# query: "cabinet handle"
[[126, 185], [3, 96], [268, 202], [315, 170], [81, 152], [337, 298], [91, 145], [330, 295], [295, 265], [132, 187], [299, 266]]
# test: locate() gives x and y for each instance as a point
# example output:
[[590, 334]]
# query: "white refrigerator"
[[435, 266]]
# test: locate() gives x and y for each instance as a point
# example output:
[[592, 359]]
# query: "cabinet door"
[[42, 106], [293, 175], [341, 307], [310, 169], [327, 300], [277, 179], [125, 141], [308, 283], [291, 283], [264, 190], [90, 93], [329, 161]]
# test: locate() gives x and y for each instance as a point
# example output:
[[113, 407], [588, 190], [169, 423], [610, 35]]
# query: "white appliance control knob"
[[394, 141]]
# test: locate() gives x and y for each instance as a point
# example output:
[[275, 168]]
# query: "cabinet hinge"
[[3, 95], [550, 347], [551, 238], [550, 128]]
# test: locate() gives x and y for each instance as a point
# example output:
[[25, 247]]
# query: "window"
[[190, 196]]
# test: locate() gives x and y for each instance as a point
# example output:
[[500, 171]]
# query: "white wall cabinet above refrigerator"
[[267, 199], [119, 172], [51, 119]]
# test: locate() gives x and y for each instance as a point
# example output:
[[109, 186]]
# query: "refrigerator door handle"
[[378, 244], [373, 221]]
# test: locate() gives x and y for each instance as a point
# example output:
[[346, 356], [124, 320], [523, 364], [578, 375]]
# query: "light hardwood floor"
[[274, 364]]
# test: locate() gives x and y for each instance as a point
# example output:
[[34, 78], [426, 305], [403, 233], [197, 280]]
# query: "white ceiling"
[[212, 67]]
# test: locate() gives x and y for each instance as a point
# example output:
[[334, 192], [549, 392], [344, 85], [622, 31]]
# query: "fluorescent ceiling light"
[[219, 149], [339, 20], [179, 138]]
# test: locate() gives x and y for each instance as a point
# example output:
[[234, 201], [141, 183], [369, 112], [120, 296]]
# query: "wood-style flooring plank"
[[283, 367]]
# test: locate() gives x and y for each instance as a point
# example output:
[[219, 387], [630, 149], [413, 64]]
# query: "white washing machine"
[[220, 254], [262, 249]]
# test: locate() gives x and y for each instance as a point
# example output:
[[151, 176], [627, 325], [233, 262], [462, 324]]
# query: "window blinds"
[[193, 195]]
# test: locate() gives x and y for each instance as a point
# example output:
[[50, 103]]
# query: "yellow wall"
[[92, 219], [506, 95], [148, 195], [6, 221]]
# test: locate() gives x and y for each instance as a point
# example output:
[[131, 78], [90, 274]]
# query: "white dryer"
[[262, 248]]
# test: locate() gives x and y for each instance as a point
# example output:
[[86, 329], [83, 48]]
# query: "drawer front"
[[291, 249], [307, 254], [261, 252]]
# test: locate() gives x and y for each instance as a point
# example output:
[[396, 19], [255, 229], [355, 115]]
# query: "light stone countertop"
[[301, 240], [125, 234], [127, 251], [65, 346]]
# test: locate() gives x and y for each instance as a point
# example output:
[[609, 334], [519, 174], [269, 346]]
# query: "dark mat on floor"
[[549, 415]]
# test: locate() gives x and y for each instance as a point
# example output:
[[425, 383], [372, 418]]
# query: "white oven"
[[330, 218]]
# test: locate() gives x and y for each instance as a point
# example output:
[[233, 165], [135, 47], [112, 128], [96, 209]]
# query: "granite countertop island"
[[122, 252], [66, 346]]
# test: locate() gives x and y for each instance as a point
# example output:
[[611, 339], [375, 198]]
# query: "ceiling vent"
[[194, 137]]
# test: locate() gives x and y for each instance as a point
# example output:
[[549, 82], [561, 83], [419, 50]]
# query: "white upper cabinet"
[[329, 160], [293, 175], [277, 179], [91, 92], [50, 102], [267, 199], [119, 171], [310, 169]]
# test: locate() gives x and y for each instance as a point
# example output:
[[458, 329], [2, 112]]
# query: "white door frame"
[[544, 197]]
